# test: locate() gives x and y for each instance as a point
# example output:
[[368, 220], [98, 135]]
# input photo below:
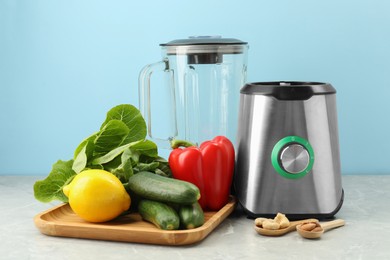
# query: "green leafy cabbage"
[[119, 147]]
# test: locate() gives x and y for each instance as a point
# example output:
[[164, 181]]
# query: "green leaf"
[[162, 173], [127, 155], [111, 154], [83, 156], [90, 139], [149, 167], [110, 137], [51, 188], [124, 171], [146, 147], [163, 167], [80, 161], [97, 166], [121, 166], [130, 116]]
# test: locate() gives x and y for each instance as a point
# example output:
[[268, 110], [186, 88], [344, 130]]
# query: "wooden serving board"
[[63, 222]]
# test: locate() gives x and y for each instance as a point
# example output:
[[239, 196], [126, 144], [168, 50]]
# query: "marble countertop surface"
[[366, 234]]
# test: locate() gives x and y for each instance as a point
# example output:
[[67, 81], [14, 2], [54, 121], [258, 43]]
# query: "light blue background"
[[63, 64]]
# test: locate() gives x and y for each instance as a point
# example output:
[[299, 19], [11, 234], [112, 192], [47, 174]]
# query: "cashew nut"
[[270, 224], [282, 220], [259, 221]]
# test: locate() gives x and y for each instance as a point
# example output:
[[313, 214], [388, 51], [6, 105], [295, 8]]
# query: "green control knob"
[[292, 157]]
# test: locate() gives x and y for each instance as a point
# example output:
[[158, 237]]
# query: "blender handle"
[[144, 100]]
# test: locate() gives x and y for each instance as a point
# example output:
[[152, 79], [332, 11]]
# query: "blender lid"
[[288, 90], [205, 44]]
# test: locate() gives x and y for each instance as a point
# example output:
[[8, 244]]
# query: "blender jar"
[[193, 94]]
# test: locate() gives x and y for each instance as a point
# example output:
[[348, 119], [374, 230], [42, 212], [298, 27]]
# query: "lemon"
[[97, 195]]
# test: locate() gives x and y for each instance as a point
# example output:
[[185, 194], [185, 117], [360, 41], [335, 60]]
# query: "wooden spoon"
[[325, 226], [282, 231]]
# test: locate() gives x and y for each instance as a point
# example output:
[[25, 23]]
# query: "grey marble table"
[[366, 235]]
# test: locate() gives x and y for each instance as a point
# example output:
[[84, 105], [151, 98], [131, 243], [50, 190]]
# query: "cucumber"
[[159, 188], [191, 216], [160, 214]]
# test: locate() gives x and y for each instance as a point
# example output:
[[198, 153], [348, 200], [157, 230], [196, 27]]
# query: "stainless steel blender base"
[[287, 150]]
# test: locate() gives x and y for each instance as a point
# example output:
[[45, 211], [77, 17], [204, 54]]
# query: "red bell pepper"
[[210, 167]]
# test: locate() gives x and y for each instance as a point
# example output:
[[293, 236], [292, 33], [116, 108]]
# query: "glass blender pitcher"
[[193, 93]]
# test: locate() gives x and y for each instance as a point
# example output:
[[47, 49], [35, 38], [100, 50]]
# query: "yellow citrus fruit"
[[97, 195]]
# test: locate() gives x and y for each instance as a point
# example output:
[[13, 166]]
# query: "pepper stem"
[[180, 143]]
